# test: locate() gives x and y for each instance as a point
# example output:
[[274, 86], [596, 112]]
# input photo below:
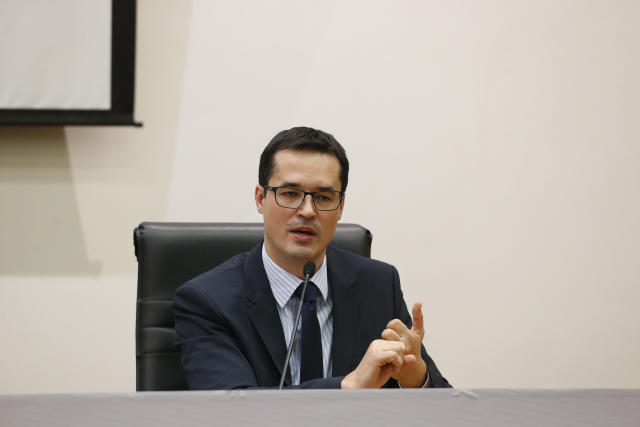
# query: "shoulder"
[[225, 279], [231, 267], [348, 262]]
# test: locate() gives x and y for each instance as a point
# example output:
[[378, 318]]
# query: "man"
[[234, 322]]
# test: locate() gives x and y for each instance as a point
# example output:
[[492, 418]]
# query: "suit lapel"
[[263, 311], [266, 320], [346, 313]]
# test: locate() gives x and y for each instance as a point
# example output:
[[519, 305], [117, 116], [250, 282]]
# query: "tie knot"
[[312, 292]]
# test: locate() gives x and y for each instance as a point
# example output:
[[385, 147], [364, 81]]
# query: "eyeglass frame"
[[305, 193]]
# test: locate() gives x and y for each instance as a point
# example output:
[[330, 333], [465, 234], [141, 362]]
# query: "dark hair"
[[303, 139]]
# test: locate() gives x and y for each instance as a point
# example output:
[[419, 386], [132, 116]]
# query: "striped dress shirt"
[[283, 285]]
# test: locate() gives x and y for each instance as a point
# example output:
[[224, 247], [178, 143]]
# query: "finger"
[[418, 321], [408, 359], [393, 358], [390, 368], [390, 335], [398, 326], [383, 346]]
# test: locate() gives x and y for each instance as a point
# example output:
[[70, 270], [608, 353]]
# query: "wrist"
[[347, 382], [416, 377]]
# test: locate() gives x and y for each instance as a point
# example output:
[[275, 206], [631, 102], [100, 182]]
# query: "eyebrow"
[[288, 184]]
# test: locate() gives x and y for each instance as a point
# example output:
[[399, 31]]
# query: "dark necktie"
[[311, 345]]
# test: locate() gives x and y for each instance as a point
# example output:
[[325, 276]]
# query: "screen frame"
[[123, 41]]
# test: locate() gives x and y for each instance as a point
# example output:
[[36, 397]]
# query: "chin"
[[304, 253]]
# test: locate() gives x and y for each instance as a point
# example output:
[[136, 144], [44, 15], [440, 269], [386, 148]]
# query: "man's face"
[[295, 236]]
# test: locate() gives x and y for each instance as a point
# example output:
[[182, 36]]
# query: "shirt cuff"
[[427, 383]]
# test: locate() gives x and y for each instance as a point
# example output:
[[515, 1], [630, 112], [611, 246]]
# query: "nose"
[[307, 209]]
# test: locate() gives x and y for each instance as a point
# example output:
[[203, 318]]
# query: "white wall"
[[494, 153]]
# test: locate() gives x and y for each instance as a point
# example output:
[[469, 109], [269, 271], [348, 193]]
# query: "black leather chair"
[[169, 254]]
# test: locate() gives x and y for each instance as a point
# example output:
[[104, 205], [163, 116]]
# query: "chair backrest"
[[169, 254]]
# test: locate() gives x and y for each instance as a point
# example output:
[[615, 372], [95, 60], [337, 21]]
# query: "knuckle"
[[376, 343]]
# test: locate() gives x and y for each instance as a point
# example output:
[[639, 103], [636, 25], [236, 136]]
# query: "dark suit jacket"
[[230, 334]]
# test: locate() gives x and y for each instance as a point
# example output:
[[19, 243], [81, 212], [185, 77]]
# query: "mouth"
[[305, 232]]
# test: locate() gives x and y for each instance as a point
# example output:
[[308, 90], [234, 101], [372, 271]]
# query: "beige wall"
[[495, 156]]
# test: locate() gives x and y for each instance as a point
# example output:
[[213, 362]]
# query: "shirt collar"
[[284, 284]]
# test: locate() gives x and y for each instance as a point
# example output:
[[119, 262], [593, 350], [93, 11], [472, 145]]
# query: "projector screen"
[[67, 62]]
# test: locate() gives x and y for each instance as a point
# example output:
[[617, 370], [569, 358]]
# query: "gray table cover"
[[328, 408]]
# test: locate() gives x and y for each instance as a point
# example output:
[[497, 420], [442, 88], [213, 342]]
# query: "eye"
[[289, 193], [325, 197]]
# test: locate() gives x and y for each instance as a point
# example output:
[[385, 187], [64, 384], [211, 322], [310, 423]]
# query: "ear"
[[341, 207], [259, 196]]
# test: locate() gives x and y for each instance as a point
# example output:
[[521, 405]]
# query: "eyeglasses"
[[292, 199]]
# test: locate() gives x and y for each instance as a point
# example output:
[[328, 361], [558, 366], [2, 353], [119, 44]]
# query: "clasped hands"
[[396, 355]]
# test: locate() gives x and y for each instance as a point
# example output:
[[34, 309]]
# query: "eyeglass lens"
[[323, 200]]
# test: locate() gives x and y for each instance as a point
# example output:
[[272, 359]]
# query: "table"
[[328, 408]]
